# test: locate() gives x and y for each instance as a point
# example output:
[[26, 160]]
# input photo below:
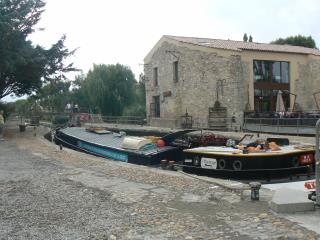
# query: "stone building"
[[216, 81]]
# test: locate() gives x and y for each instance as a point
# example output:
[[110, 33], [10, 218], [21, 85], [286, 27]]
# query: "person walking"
[[1, 125]]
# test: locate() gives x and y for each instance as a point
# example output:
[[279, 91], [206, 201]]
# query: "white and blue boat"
[[119, 146]]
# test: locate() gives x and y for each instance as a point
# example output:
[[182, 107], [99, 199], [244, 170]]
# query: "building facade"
[[218, 80]]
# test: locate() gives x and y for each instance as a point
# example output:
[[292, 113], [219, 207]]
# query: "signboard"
[[209, 163], [306, 159]]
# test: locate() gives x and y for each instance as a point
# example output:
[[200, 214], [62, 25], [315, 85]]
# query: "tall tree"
[[297, 40], [77, 94], [23, 66], [250, 38], [245, 37], [54, 96], [109, 88], [138, 106]]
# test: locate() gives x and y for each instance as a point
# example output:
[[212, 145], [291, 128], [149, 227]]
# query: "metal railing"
[[305, 122], [296, 126], [124, 119], [296, 114]]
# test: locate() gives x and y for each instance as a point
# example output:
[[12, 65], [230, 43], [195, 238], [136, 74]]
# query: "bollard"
[[60, 146], [52, 136], [164, 164], [22, 127], [255, 187], [170, 165]]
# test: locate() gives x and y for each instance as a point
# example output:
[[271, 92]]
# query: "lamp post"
[[317, 163]]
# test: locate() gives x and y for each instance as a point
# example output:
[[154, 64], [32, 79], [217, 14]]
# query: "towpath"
[[48, 193]]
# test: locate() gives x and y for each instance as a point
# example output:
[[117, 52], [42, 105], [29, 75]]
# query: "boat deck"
[[111, 140], [229, 151]]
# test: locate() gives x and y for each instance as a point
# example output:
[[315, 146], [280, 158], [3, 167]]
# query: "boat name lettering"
[[209, 163]]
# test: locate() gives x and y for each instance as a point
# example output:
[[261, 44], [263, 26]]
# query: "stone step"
[[214, 115], [287, 200], [217, 121]]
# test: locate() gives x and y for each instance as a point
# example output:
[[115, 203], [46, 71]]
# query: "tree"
[[109, 88], [77, 94], [250, 38], [138, 107], [245, 37], [54, 96], [297, 40], [24, 67]]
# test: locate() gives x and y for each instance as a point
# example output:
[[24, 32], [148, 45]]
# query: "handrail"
[[298, 126], [283, 121]]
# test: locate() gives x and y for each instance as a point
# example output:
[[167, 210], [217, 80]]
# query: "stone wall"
[[202, 69], [307, 84], [195, 91]]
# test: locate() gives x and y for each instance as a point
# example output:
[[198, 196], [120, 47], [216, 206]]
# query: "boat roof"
[[109, 140]]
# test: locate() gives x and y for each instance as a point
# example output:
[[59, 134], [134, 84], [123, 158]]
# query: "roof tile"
[[240, 45]]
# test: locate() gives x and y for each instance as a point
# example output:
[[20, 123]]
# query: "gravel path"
[[46, 193]]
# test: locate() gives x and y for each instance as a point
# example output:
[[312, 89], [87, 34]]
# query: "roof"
[[240, 45]]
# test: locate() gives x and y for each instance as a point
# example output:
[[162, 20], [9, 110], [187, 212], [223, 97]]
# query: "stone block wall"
[[308, 83], [201, 70], [196, 90]]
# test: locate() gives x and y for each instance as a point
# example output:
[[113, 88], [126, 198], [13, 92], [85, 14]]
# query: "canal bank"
[[67, 189], [160, 131]]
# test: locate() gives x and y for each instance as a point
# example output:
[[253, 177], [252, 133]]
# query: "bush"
[[134, 111], [60, 119]]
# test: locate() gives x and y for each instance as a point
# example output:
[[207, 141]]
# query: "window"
[[265, 99], [276, 72], [155, 107], [285, 72], [271, 71], [175, 71], [155, 76]]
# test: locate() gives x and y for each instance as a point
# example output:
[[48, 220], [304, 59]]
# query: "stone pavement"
[[47, 193]]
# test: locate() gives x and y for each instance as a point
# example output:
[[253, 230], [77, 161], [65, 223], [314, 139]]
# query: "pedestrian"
[[68, 107], [1, 125], [76, 108]]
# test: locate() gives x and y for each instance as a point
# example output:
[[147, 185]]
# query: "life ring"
[[237, 165], [222, 164]]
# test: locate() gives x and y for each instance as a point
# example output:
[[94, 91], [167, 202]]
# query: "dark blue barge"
[[109, 145]]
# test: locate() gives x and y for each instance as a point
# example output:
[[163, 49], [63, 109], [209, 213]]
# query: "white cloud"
[[124, 31]]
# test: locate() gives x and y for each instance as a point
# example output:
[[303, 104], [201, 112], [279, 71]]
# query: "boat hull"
[[109, 147], [224, 162]]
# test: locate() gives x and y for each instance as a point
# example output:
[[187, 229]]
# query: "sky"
[[124, 31]]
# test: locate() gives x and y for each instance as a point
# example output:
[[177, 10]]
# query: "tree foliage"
[[24, 67], [245, 37], [107, 89], [297, 40], [110, 88], [53, 96], [138, 107]]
